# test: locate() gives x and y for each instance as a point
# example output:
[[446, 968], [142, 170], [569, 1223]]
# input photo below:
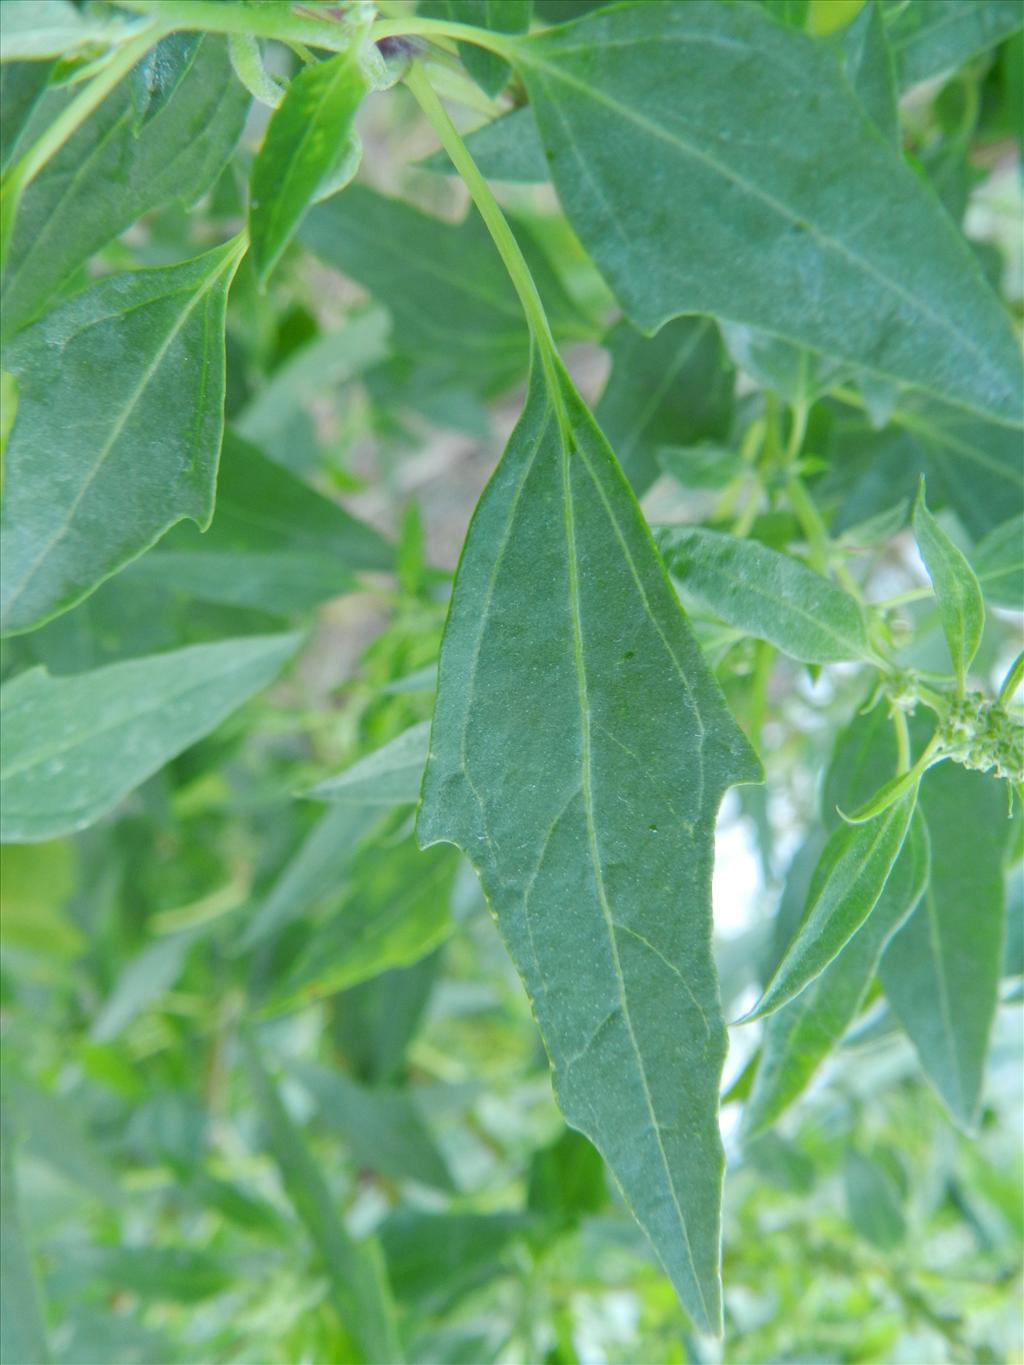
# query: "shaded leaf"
[[873, 1201], [22, 1331], [490, 71], [22, 85], [999, 564], [868, 63], [569, 800], [434, 1258], [927, 39], [768, 594], [373, 1023], [118, 432], [73, 747], [159, 73], [389, 776], [566, 1179], [961, 604], [32, 29], [507, 148]]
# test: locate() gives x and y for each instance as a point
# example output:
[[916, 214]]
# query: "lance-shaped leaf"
[[961, 604], [307, 138], [176, 155], [927, 39], [941, 971], [868, 63], [119, 425], [73, 747], [697, 190], [851, 875], [767, 594], [999, 564], [589, 818], [389, 776], [798, 1037]]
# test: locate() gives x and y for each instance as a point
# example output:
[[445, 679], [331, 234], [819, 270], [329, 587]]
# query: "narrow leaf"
[[73, 747], [22, 85], [999, 564], [767, 594], [358, 1280], [851, 876], [307, 137], [941, 971], [647, 112], [873, 1201], [590, 819], [959, 595], [389, 776], [22, 1332], [120, 417], [929, 38], [799, 1036], [374, 1023]]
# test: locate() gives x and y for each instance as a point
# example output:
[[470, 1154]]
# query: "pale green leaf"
[[873, 1201], [941, 971], [671, 389], [799, 1036], [961, 604], [63, 220], [647, 112], [851, 875], [118, 432], [307, 138], [33, 29], [380, 1125], [22, 1330], [928, 37], [73, 747], [389, 776], [159, 73], [143, 979], [589, 819], [358, 1280], [767, 594], [868, 63], [999, 564], [700, 466]]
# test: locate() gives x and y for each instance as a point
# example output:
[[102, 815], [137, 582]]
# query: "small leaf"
[[927, 39], [799, 1036], [873, 1201], [588, 818], [999, 564], [490, 71], [851, 876], [959, 595], [941, 971], [73, 747], [768, 594], [308, 136], [120, 417], [389, 776], [358, 1281]]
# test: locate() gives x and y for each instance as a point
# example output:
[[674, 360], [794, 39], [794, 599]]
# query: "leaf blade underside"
[[595, 847]]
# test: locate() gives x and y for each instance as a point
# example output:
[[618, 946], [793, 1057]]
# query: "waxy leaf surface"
[[118, 432], [941, 971], [697, 189], [73, 747], [768, 594], [590, 819]]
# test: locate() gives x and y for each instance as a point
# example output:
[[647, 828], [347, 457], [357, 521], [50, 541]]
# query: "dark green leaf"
[[489, 70], [701, 466], [73, 747], [507, 148], [670, 389], [374, 1022], [389, 776], [21, 87], [873, 1201], [928, 37], [118, 432], [307, 138], [793, 372], [961, 604], [158, 75], [941, 971], [63, 220], [566, 1178], [999, 564], [434, 1258], [648, 111], [869, 67], [767, 594], [568, 799]]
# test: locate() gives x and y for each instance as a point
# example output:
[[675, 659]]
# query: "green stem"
[[261, 21], [504, 44], [899, 721], [911, 595], [1012, 681]]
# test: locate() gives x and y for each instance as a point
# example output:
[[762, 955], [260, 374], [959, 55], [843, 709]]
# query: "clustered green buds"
[[979, 733]]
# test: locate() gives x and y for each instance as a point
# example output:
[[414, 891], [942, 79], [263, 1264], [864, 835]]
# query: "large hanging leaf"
[[118, 431], [696, 188], [590, 819], [63, 218], [73, 747]]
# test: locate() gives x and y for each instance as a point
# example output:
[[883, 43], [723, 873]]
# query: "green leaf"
[[373, 1023], [22, 1332], [868, 63], [22, 85], [143, 979], [62, 221], [927, 39], [767, 594], [589, 819], [306, 139], [508, 148], [358, 1280], [566, 1179], [381, 1126], [999, 564], [799, 1036], [274, 544], [647, 111], [490, 71], [389, 776], [700, 466], [434, 1258], [32, 29], [941, 971], [159, 73], [850, 877], [73, 747], [451, 299], [873, 1201], [794, 373], [961, 604], [120, 417], [671, 389]]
